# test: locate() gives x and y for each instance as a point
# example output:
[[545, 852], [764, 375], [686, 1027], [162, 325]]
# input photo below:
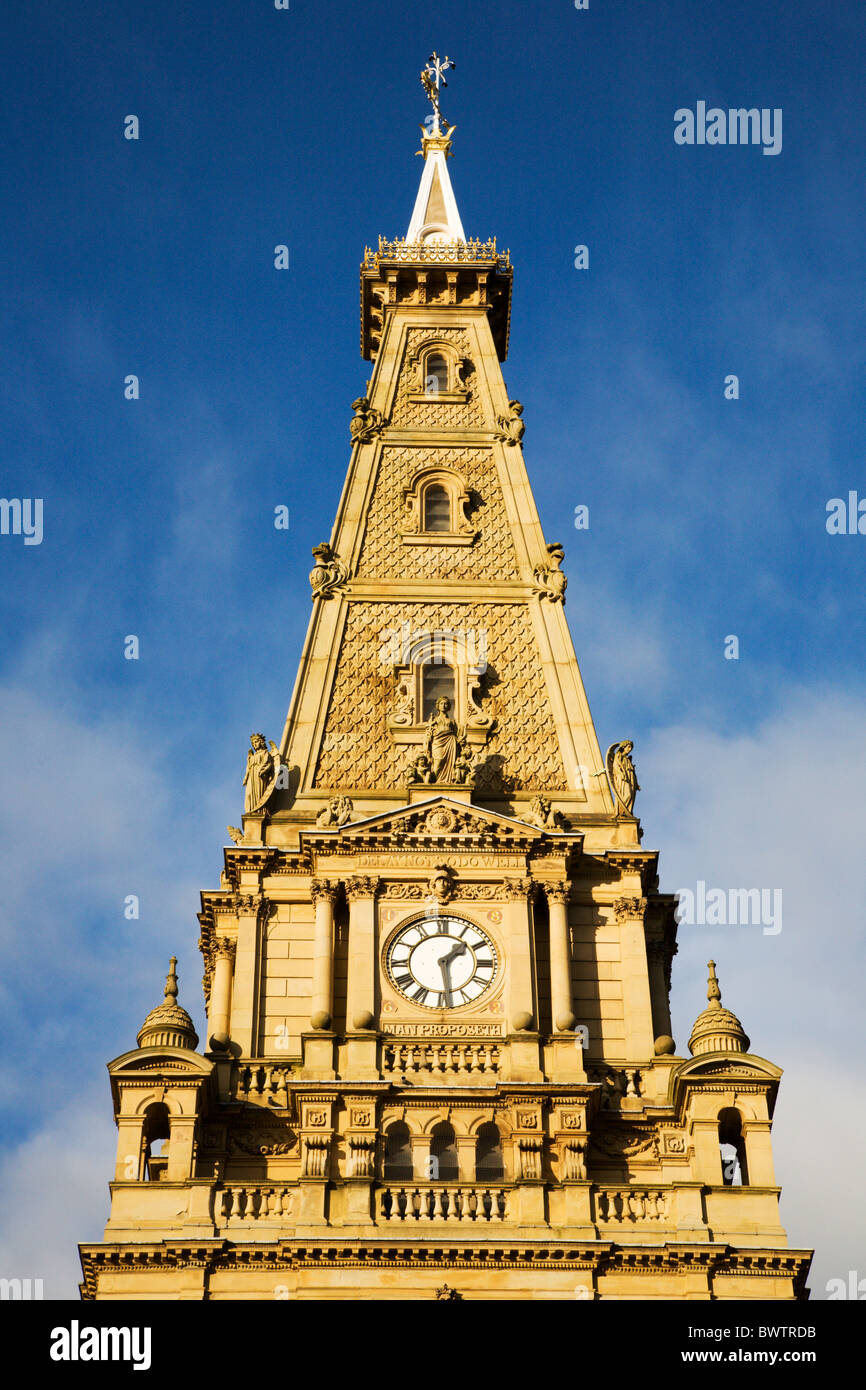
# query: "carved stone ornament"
[[550, 582], [441, 883], [267, 1143], [329, 574], [511, 427], [322, 890], [622, 776], [361, 886], [261, 774], [543, 815], [629, 909], [447, 1295], [224, 946], [366, 422], [337, 812], [558, 892], [624, 1143]]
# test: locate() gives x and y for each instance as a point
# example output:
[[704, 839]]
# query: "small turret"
[[169, 1025], [717, 1029]]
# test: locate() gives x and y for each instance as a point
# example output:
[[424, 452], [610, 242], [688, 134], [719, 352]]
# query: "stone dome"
[[169, 1025], [717, 1029]]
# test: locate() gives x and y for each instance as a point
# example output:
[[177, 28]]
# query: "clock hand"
[[458, 949]]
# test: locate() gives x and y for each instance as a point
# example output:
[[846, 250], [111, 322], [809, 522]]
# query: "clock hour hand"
[[458, 949]]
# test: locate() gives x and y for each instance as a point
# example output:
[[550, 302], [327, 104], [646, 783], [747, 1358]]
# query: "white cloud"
[[781, 807], [55, 1194]]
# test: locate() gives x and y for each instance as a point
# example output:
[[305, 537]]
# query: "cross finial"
[[432, 80]]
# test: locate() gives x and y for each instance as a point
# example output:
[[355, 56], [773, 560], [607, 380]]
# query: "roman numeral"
[[404, 981], [420, 995], [442, 927], [483, 960]]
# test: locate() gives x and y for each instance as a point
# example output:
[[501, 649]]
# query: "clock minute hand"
[[458, 949]]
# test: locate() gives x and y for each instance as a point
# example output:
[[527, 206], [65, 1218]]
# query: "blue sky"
[[707, 517]]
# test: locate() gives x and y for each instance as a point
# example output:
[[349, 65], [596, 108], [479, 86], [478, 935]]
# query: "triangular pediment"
[[439, 820]]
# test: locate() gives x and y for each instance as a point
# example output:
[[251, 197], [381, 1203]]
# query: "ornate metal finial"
[[714, 994], [171, 981], [432, 80]]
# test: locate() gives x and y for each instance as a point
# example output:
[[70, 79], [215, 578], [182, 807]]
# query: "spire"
[[717, 1029], [169, 1025], [435, 216]]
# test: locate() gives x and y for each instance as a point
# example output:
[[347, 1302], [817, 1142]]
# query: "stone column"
[[245, 990], [221, 993], [324, 895], [361, 982], [636, 1002], [560, 957], [522, 1061]]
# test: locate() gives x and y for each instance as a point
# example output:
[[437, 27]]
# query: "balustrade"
[[442, 1203], [631, 1204], [441, 1057], [252, 1202]]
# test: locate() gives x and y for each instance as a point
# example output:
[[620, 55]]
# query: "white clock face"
[[442, 962]]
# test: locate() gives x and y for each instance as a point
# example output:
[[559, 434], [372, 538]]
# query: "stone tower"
[[438, 1061]]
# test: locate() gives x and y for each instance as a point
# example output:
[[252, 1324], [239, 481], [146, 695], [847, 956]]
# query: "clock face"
[[441, 962]]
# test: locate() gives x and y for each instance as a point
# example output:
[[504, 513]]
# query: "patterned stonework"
[[455, 415], [492, 557], [523, 751]]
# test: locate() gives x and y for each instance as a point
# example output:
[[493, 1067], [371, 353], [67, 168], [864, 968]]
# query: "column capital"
[[224, 948], [629, 909], [558, 892], [361, 887], [323, 890]]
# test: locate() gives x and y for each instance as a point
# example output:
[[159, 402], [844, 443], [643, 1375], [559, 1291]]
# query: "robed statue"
[[442, 744], [261, 773], [623, 778]]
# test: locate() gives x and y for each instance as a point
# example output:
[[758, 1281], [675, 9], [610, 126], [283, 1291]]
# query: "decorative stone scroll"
[[550, 582], [329, 574]]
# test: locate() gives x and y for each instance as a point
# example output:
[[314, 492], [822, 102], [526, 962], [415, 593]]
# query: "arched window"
[[437, 679], [437, 508], [732, 1148], [155, 1133], [435, 374], [398, 1153], [488, 1154], [443, 1154]]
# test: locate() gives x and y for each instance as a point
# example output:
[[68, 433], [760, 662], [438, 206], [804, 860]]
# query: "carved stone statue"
[[511, 427], [550, 582], [463, 766], [623, 778], [337, 812], [442, 744], [329, 574], [419, 772], [366, 422], [543, 815], [261, 773]]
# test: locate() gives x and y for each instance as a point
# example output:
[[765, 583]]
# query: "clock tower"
[[438, 1060]]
